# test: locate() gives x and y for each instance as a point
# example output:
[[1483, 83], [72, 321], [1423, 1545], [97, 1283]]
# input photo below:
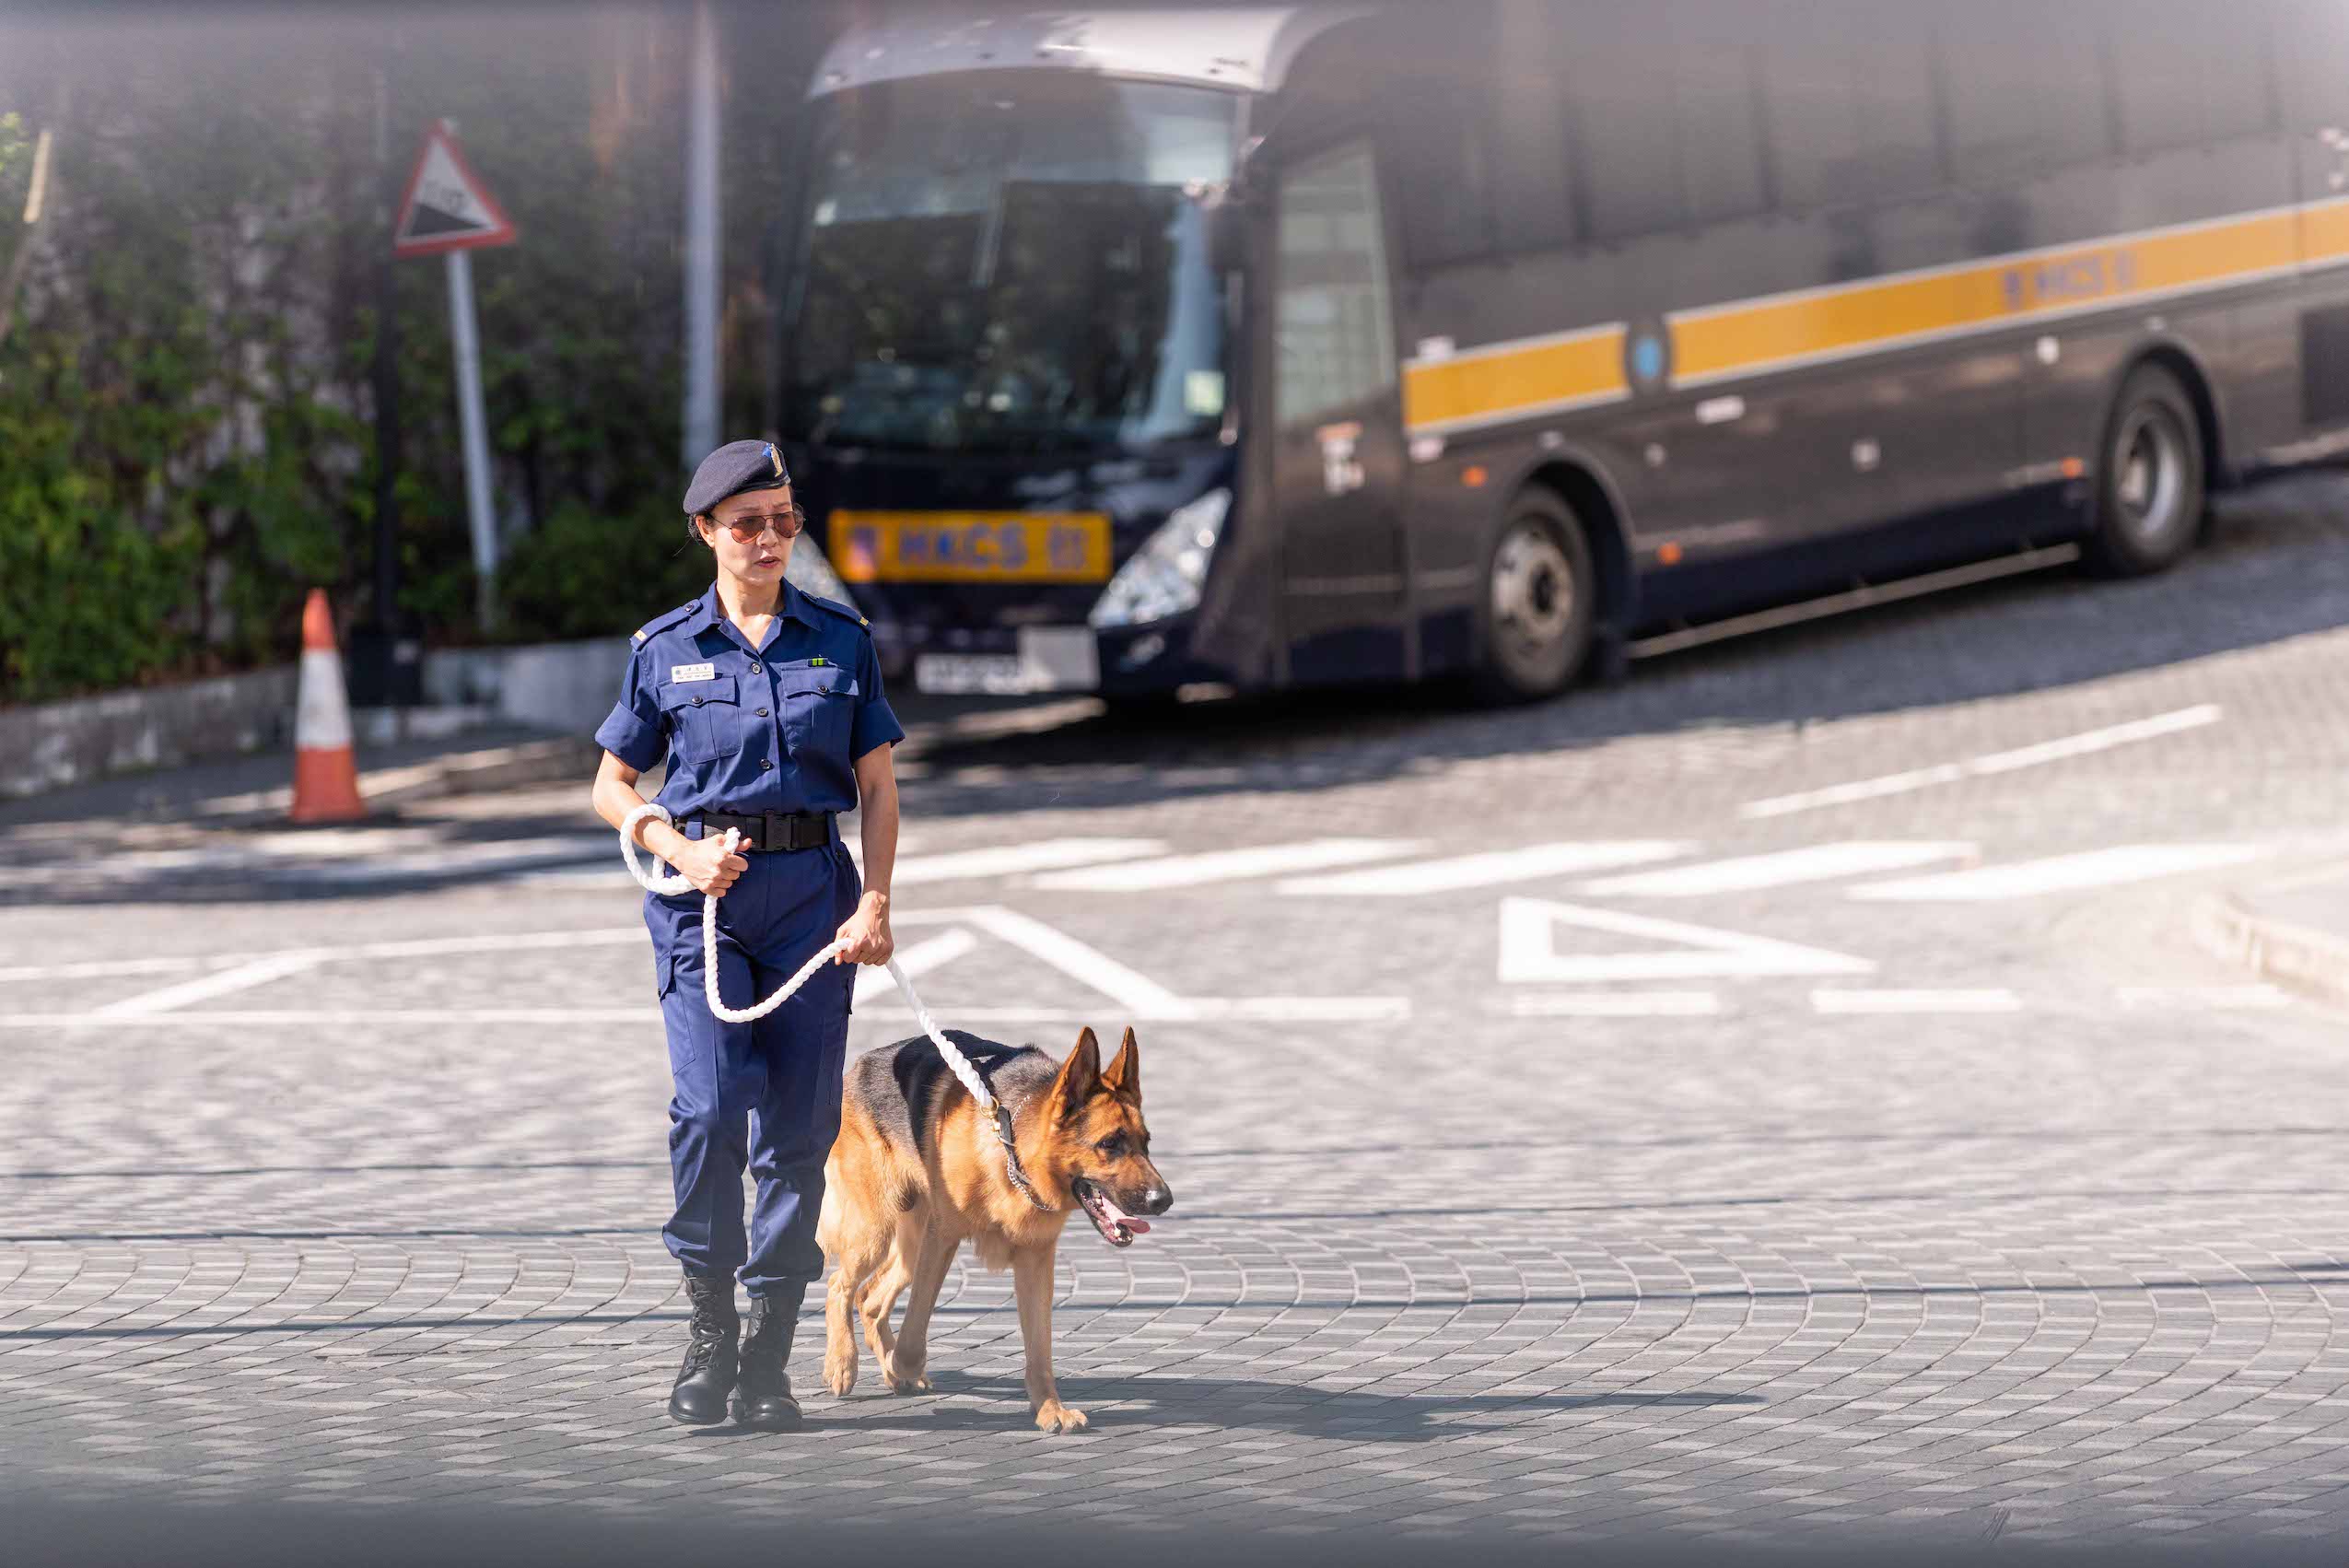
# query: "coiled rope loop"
[[957, 1062]]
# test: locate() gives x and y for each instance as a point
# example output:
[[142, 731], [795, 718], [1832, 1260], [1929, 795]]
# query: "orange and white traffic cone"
[[326, 775]]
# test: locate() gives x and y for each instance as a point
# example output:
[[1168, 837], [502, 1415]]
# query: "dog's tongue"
[[1118, 1216]]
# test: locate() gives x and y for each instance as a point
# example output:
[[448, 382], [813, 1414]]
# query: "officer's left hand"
[[866, 934]]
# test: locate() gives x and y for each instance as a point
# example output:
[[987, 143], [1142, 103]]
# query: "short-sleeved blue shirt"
[[773, 728]]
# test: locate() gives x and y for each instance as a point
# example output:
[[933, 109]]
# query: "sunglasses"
[[786, 523]]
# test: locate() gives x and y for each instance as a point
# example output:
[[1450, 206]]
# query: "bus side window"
[[1664, 115], [1714, 54], [1849, 102], [2186, 75], [1438, 117], [1533, 204], [2312, 51], [1619, 70], [2018, 109]]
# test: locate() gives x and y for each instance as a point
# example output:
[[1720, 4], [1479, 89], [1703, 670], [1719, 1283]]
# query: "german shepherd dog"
[[918, 1170]]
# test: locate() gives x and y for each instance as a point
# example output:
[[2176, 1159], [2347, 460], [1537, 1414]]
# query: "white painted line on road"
[[1048, 854], [494, 858], [159, 966], [1489, 869], [1528, 950], [1748, 873], [2220, 999], [1614, 1005], [337, 1017], [1136, 992], [1227, 865], [917, 961], [497, 941], [1995, 761], [1988, 1000], [260, 972], [2060, 873]]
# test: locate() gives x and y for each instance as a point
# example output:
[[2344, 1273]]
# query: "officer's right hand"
[[706, 864]]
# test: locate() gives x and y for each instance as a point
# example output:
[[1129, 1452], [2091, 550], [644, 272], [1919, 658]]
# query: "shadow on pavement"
[[1227, 1404], [2273, 570]]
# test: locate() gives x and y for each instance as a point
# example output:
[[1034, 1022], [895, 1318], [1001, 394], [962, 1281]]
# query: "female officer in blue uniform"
[[765, 706]]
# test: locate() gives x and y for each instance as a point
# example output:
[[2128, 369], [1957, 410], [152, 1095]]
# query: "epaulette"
[[839, 609], [663, 623]]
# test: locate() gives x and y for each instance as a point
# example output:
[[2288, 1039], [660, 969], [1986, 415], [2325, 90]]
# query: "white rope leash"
[[957, 1062]]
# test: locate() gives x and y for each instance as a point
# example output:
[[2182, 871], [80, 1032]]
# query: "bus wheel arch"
[[2180, 363], [1555, 583]]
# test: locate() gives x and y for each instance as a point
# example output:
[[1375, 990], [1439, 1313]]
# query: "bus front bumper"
[[1029, 661]]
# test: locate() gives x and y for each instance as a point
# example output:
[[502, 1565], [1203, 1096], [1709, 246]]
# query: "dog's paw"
[[1055, 1417], [840, 1375], [906, 1380]]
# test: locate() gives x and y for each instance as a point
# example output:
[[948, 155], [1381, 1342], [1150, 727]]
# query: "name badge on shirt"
[[693, 672]]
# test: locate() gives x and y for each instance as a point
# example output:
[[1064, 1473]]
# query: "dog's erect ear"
[[1079, 1077], [1124, 1078]]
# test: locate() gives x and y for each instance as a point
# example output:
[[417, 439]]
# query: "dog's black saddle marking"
[[905, 1087]]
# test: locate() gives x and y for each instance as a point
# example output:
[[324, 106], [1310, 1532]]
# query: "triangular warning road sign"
[[447, 206], [1529, 952]]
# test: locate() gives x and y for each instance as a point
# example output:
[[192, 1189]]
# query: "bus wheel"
[[1540, 601], [2149, 486]]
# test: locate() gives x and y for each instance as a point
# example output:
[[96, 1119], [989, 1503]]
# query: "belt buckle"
[[775, 830]]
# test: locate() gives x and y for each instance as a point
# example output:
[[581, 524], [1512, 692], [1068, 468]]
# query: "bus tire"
[[2150, 478], [1539, 604]]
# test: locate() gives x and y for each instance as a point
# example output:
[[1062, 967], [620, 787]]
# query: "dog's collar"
[[1006, 1134]]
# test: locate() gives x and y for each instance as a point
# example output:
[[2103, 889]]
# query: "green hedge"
[[186, 440]]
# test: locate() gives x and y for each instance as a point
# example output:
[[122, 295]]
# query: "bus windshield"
[[1011, 261]]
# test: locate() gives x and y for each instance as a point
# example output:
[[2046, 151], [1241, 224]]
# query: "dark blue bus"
[[1260, 347]]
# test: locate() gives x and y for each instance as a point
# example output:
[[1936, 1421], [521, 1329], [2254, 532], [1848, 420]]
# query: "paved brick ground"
[[2070, 1275]]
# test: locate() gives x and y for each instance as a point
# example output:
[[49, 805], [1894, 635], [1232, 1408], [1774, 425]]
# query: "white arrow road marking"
[[1987, 1000], [260, 972], [1746, 874], [2060, 873], [1528, 952], [1227, 865], [917, 961], [1995, 761], [1144, 1000], [1488, 869], [1048, 854]]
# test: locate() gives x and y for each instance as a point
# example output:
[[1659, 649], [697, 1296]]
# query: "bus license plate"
[[970, 546], [1051, 658], [961, 675]]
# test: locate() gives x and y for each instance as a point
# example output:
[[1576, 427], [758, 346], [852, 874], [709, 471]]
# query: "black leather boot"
[[763, 1396], [707, 1375]]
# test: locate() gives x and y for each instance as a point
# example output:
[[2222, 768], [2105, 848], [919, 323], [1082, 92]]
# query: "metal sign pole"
[[467, 342]]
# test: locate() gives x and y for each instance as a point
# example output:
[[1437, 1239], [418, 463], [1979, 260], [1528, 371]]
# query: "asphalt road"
[[1777, 1096]]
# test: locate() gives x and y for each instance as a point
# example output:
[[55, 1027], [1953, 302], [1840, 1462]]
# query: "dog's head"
[[1097, 1143]]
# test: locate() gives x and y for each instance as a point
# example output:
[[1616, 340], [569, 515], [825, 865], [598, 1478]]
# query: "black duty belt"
[[771, 830]]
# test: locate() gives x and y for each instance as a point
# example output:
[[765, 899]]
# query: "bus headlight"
[[810, 573], [1166, 574]]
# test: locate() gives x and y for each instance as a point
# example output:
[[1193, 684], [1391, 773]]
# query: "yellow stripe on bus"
[[2325, 231], [1715, 343], [1723, 341], [1486, 386]]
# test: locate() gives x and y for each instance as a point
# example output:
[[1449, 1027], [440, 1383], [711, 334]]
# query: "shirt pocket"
[[705, 717], [818, 703]]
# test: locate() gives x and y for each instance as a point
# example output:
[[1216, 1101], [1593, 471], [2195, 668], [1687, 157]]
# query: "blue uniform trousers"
[[764, 1095]]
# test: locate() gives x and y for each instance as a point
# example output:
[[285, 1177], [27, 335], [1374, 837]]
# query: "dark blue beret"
[[733, 468]]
